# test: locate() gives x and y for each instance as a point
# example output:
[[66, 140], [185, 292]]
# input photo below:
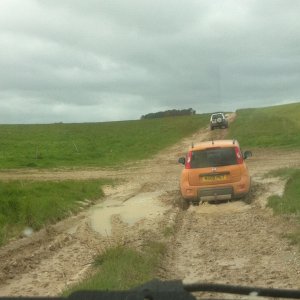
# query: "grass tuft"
[[122, 268], [169, 231], [289, 203], [284, 173], [294, 237]]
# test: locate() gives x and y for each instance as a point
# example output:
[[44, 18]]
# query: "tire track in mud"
[[236, 243], [235, 246]]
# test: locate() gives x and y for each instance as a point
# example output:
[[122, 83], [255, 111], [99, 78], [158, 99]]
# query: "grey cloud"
[[94, 60]]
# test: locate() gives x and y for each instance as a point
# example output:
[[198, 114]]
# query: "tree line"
[[169, 113]]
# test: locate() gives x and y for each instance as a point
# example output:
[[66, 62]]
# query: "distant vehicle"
[[218, 120], [214, 171]]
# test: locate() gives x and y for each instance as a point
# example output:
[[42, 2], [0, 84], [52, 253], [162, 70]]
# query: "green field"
[[33, 204], [91, 144], [276, 126]]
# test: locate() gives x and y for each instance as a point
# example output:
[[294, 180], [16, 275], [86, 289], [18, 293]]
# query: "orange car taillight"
[[239, 157], [188, 160]]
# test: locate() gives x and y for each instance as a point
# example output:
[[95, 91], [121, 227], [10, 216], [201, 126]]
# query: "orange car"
[[215, 170]]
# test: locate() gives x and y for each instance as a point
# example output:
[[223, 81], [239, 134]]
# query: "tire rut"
[[235, 243]]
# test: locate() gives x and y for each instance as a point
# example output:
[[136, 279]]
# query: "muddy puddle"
[[142, 206]]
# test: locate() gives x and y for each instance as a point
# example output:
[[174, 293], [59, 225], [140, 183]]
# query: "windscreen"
[[213, 157]]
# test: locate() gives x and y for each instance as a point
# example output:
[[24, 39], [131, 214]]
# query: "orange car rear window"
[[213, 157]]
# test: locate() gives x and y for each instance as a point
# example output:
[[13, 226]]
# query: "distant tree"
[[169, 113]]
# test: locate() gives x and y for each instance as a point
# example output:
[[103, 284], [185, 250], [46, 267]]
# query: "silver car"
[[218, 120]]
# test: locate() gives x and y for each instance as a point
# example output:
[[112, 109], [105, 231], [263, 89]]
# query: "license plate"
[[214, 178]]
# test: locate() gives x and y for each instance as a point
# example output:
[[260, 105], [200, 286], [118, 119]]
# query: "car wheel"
[[184, 204], [211, 128], [249, 196]]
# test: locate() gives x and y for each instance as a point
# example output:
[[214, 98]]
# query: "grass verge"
[[122, 268], [289, 202], [35, 204], [91, 144], [276, 126], [284, 173]]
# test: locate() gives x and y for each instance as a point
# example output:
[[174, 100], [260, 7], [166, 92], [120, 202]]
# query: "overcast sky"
[[95, 60]]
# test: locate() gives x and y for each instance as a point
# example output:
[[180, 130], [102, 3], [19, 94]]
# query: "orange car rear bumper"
[[220, 191]]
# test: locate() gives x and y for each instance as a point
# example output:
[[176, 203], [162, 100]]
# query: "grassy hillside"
[[276, 126], [91, 144]]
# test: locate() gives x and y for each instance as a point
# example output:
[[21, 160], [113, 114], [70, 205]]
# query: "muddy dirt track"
[[234, 242]]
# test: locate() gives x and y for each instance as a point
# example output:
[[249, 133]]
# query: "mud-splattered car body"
[[215, 170]]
